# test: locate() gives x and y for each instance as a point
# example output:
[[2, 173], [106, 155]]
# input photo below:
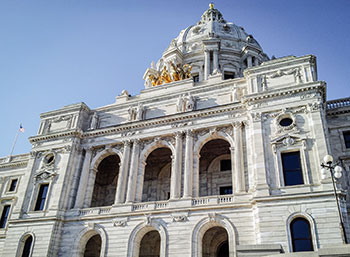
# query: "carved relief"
[[136, 113], [94, 121], [60, 123], [296, 72], [185, 103], [120, 222]]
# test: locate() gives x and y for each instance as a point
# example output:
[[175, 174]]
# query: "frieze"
[[179, 217]]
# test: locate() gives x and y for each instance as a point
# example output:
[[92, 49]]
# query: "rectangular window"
[[292, 171], [13, 185], [229, 75], [226, 190], [225, 165], [4, 216], [346, 135], [195, 78], [40, 201]]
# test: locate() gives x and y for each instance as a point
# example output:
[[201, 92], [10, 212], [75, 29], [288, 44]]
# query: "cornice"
[[285, 91], [57, 135], [14, 165], [66, 109]]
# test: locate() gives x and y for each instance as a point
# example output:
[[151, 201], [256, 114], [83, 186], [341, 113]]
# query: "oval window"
[[49, 159], [285, 122]]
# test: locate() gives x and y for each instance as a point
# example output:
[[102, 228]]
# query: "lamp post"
[[336, 171]]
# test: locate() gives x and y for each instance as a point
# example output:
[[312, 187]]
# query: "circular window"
[[49, 159], [285, 122]]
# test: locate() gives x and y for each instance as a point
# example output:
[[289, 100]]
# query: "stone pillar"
[[233, 169], [206, 64], [83, 182], [238, 158], [175, 187], [257, 150], [188, 174], [249, 61], [123, 174], [90, 188], [256, 61], [215, 60], [134, 167]]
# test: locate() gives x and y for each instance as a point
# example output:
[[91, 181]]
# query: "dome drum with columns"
[[212, 46], [219, 156]]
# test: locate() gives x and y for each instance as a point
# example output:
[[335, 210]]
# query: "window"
[[225, 165], [292, 172], [226, 190], [301, 235], [27, 247], [346, 135], [40, 202], [229, 75], [4, 216], [195, 77], [13, 185]]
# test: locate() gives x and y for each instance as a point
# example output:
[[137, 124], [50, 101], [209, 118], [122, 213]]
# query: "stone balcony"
[[189, 204]]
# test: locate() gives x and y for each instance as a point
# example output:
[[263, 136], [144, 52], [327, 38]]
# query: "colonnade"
[[132, 167]]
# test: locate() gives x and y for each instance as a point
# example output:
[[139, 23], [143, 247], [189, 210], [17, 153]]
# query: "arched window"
[[93, 246], [106, 182], [27, 246], [301, 235], [215, 243], [150, 244], [215, 168], [156, 185]]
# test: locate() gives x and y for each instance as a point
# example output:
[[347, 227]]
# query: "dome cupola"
[[213, 46]]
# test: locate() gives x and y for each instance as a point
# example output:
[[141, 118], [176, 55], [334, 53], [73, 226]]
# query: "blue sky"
[[58, 52]]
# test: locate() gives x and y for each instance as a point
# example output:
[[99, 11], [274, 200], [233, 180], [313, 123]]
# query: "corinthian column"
[[216, 60], [83, 182], [238, 158], [206, 64], [123, 174], [175, 187], [134, 165], [188, 176]]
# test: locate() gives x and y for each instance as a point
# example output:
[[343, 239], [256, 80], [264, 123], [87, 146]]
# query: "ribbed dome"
[[213, 46]]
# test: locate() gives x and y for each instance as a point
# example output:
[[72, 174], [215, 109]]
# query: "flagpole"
[[14, 143]]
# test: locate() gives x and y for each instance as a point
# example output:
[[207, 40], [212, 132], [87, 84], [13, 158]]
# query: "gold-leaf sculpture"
[[180, 72]]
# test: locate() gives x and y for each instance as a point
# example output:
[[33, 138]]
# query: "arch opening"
[[301, 235], [106, 182], [150, 244], [27, 246], [156, 185], [93, 246], [215, 243], [215, 168]]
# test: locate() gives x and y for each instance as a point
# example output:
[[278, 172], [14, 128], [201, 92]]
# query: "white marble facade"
[[144, 176]]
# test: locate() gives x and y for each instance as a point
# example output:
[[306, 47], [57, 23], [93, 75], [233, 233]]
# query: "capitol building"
[[218, 156]]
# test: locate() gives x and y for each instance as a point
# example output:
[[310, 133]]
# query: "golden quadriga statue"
[[179, 72]]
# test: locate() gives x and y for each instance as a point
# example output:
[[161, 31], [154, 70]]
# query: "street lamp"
[[335, 171]]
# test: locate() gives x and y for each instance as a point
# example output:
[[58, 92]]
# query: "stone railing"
[[209, 200], [217, 200], [338, 103]]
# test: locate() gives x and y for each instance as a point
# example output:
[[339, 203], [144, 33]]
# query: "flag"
[[21, 129]]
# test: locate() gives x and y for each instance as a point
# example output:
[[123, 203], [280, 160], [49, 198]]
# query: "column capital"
[[232, 149], [237, 124], [127, 142], [178, 134], [190, 133], [136, 141]]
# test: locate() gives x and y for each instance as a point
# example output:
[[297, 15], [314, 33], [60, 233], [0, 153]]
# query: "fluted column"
[[123, 174], [134, 167], [206, 64], [90, 188], [188, 175], [238, 158], [175, 187], [84, 178], [215, 60]]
